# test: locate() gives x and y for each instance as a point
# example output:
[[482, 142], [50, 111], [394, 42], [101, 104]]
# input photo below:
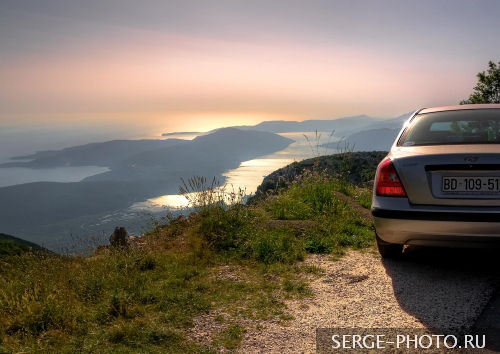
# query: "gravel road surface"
[[427, 288]]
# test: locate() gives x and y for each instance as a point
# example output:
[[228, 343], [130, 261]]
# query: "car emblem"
[[470, 159]]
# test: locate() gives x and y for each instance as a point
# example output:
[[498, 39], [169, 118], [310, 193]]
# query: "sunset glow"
[[197, 74]]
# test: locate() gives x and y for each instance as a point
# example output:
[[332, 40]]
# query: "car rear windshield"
[[478, 126]]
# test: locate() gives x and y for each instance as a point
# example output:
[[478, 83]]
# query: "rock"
[[180, 219], [119, 237], [193, 216]]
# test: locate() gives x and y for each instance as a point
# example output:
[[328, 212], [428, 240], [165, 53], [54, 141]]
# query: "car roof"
[[460, 108]]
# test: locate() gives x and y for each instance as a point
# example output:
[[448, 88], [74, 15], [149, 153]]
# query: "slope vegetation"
[[10, 246], [239, 262]]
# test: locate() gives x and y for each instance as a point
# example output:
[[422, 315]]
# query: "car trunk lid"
[[427, 172]]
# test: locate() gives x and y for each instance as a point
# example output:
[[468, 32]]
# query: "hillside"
[[52, 211], [238, 263], [342, 126], [181, 133], [33, 206], [357, 168], [380, 139], [208, 155], [10, 245], [103, 154], [363, 133], [375, 136]]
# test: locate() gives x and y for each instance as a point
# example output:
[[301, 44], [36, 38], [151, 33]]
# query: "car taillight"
[[388, 182]]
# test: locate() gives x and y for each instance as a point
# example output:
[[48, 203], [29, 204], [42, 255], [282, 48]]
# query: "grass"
[[230, 337], [144, 298], [337, 223], [362, 195], [10, 245]]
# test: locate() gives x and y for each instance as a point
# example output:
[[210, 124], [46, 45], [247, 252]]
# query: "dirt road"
[[427, 288]]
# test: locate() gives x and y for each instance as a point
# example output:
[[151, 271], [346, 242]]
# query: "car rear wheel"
[[388, 250]]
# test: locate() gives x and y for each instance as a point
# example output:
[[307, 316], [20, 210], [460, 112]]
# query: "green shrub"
[[319, 245], [355, 235], [289, 206], [306, 198], [364, 198], [42, 317], [90, 289], [226, 229], [118, 305], [146, 263], [278, 246]]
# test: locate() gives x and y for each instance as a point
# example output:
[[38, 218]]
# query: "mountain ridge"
[[218, 151], [308, 125], [37, 208], [102, 154]]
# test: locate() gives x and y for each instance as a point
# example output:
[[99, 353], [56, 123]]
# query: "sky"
[[196, 65]]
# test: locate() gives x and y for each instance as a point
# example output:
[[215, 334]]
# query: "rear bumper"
[[438, 228]]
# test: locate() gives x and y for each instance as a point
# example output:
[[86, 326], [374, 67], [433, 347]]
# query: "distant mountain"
[[210, 154], [180, 133], [36, 209], [342, 126], [393, 123], [142, 169], [363, 132], [377, 136], [103, 154], [373, 139], [10, 245]]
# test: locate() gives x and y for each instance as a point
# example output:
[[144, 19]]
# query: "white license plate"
[[480, 185]]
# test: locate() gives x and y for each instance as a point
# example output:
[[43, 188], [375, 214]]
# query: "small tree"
[[487, 89]]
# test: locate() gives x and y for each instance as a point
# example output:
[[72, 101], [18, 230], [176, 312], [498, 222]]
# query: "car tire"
[[388, 250]]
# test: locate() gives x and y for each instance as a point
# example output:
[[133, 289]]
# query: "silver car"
[[440, 183]]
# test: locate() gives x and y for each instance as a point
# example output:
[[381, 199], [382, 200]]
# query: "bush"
[[224, 229], [41, 317], [119, 305], [146, 263], [91, 289], [319, 245], [289, 206], [278, 246], [310, 195]]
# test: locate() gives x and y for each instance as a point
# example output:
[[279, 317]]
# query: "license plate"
[[479, 185]]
